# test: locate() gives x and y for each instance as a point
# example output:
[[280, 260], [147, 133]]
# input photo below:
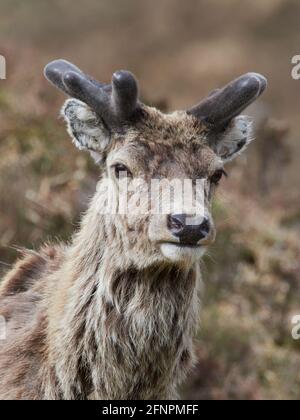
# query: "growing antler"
[[218, 108], [114, 103], [117, 103]]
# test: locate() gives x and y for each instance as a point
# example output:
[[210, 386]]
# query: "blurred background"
[[179, 51]]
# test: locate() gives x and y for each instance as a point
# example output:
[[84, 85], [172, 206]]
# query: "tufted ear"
[[235, 139], [86, 128]]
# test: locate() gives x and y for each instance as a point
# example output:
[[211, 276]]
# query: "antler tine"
[[54, 71], [84, 89], [124, 93], [114, 103], [226, 103]]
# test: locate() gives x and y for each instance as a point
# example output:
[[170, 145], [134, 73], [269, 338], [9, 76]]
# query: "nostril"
[[205, 226], [176, 221]]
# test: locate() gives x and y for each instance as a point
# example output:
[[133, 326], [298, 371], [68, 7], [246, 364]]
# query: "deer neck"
[[117, 331]]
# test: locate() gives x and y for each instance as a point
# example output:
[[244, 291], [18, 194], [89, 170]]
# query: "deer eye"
[[121, 171], [216, 177]]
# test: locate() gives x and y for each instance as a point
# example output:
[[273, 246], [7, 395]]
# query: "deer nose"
[[181, 226]]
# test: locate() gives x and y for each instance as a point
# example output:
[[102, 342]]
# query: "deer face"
[[159, 171]]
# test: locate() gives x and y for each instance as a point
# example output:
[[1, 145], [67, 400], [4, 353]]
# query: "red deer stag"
[[113, 314]]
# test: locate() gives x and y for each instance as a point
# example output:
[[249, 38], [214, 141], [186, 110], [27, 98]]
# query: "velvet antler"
[[115, 103], [218, 108]]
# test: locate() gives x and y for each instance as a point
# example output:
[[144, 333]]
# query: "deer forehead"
[[171, 145]]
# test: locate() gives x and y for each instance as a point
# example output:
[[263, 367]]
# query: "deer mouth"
[[182, 244], [176, 251]]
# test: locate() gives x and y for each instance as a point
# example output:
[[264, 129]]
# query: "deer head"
[[131, 141]]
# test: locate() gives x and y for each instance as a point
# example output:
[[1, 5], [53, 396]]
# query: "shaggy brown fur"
[[112, 316]]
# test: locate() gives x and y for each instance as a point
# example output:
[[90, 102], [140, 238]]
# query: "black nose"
[[182, 227]]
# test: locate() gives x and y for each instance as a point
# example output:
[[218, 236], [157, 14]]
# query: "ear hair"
[[235, 139], [86, 128]]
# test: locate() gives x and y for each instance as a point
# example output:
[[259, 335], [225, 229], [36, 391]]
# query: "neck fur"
[[116, 331]]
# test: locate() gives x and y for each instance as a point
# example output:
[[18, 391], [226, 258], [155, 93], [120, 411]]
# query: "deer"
[[114, 313]]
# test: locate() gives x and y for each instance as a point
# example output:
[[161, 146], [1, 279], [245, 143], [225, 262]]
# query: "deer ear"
[[235, 139], [86, 128]]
